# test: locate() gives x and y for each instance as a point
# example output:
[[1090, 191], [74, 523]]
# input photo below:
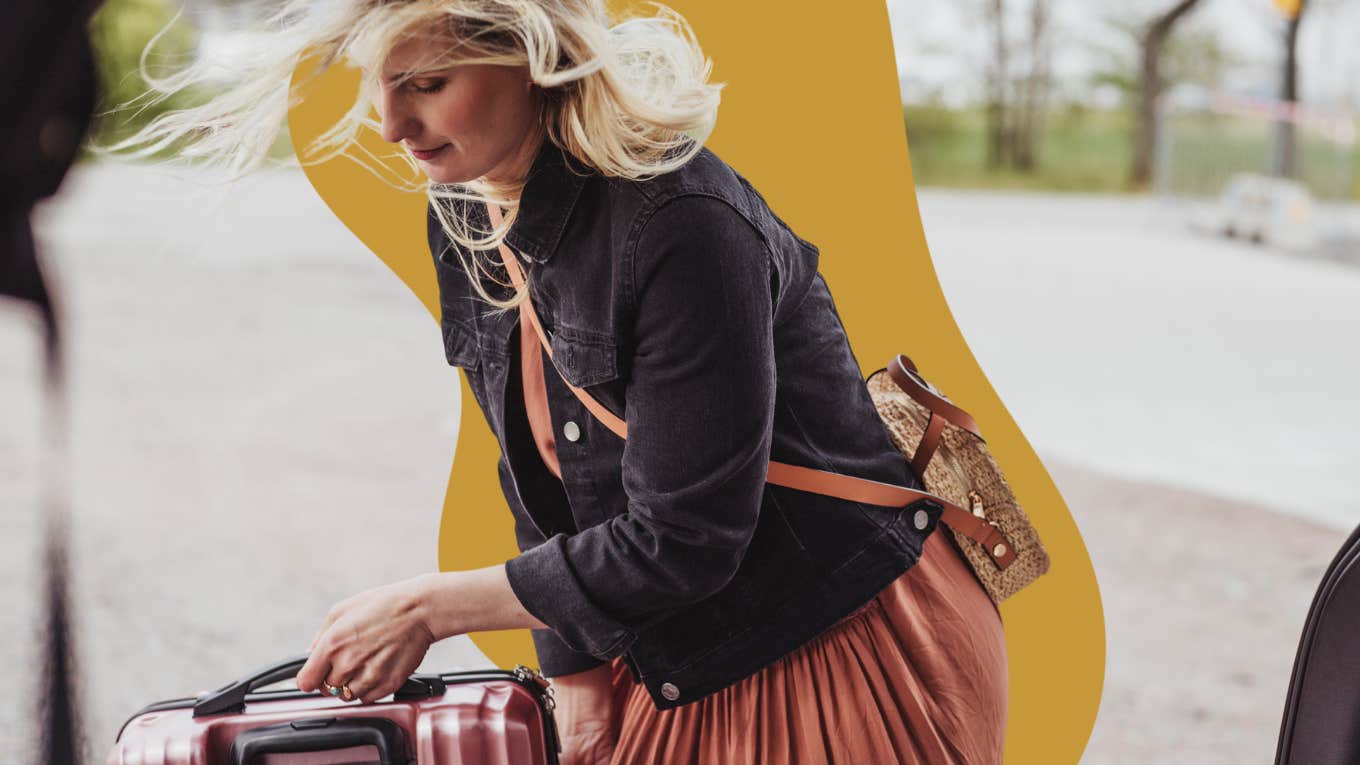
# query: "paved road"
[[1123, 342], [251, 389], [262, 421]]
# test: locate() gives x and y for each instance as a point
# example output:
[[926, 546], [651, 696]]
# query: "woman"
[[683, 609]]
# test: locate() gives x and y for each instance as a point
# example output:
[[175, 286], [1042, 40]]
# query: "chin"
[[445, 175]]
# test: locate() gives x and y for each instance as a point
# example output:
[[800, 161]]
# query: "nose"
[[396, 124]]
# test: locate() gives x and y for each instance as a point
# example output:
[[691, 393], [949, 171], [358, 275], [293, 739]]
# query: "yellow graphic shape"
[[811, 115]]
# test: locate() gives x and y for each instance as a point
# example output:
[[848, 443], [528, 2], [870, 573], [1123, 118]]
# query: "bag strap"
[[904, 374], [846, 487]]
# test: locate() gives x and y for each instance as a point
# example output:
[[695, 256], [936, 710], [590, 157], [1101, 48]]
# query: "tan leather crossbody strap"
[[526, 312], [793, 476], [891, 495]]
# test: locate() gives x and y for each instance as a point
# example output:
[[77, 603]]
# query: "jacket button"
[[669, 692], [921, 519], [572, 431]]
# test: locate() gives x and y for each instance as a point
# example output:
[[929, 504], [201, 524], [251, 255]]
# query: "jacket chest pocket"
[[590, 361], [460, 342], [458, 308], [584, 357]]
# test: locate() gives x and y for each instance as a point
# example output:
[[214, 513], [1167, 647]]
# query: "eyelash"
[[435, 87]]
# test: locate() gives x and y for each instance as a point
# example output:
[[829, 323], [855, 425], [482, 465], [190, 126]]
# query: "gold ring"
[[346, 693]]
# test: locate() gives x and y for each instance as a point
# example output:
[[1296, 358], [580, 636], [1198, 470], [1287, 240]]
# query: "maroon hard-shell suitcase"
[[495, 716]]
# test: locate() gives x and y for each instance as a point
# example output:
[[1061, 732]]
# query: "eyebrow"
[[417, 73]]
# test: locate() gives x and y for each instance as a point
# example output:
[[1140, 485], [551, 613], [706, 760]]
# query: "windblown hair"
[[629, 100]]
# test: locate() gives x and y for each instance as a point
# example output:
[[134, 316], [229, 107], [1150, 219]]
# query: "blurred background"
[[1144, 217]]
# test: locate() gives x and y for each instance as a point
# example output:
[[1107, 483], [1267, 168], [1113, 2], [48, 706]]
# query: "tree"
[[1151, 86], [1033, 89], [998, 79], [1286, 162], [1018, 82], [119, 32]]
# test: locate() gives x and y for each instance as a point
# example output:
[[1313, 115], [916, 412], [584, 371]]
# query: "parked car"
[[1264, 210]]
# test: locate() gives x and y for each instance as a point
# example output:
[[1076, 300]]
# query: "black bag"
[[1322, 710]]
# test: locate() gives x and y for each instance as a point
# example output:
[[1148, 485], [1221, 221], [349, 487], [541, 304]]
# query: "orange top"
[[536, 396]]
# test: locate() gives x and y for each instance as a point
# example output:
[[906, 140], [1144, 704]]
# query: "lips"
[[428, 154]]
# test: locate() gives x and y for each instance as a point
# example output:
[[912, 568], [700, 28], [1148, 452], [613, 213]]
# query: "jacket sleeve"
[[700, 411], [554, 656]]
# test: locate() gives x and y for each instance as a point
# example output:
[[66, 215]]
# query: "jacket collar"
[[551, 189]]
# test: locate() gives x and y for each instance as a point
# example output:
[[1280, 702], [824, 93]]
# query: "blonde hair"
[[629, 100]]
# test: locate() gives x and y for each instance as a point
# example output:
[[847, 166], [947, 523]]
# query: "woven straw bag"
[[950, 456]]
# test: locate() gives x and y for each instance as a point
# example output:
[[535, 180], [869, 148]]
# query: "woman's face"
[[463, 123]]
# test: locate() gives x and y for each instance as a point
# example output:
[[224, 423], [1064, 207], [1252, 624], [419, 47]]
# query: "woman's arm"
[[476, 600]]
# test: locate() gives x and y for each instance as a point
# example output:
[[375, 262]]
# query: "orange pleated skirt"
[[917, 675]]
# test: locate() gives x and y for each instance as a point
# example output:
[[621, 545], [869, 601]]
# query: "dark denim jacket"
[[684, 305]]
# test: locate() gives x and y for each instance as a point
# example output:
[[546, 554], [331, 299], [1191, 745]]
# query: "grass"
[[1091, 150], [119, 33]]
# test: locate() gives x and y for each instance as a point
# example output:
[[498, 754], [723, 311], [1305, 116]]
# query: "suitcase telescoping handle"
[[320, 735], [231, 698]]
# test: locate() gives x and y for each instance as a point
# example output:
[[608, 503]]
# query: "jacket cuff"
[[547, 587], [557, 658]]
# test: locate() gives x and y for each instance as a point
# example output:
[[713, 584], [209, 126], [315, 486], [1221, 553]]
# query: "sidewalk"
[[1204, 602], [247, 398]]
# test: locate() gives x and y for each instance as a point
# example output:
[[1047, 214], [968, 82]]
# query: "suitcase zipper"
[[543, 692]]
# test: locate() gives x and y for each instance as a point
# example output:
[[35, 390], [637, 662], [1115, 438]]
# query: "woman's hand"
[[585, 715], [592, 745], [371, 641]]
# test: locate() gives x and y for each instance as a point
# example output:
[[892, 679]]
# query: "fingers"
[[316, 668], [326, 664], [331, 617], [366, 686], [344, 688], [318, 662], [377, 678], [370, 687], [332, 665]]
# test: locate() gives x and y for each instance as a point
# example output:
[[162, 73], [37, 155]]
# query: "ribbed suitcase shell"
[[498, 717]]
